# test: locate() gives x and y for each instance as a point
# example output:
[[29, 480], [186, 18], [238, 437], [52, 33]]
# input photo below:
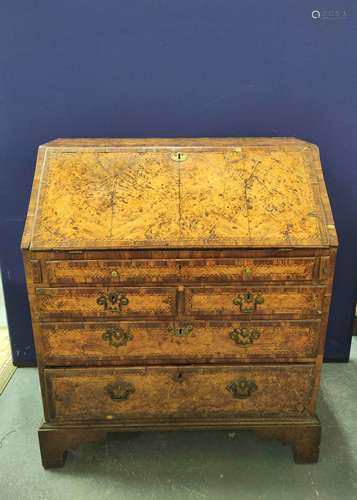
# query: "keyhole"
[[178, 156], [180, 331], [178, 377]]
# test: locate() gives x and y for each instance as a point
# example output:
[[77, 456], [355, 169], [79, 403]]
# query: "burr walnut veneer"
[[179, 284]]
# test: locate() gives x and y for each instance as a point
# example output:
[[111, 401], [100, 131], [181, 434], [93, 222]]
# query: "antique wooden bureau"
[[179, 284]]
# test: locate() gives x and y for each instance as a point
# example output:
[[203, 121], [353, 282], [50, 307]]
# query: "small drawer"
[[144, 393], [131, 271], [133, 342], [248, 269], [102, 302], [255, 301]]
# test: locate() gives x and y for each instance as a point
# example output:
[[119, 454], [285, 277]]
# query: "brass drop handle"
[[242, 388], [183, 331], [244, 337], [112, 301], [248, 301], [117, 336], [120, 391]]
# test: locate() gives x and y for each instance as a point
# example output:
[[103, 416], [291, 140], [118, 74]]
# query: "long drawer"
[[104, 394], [133, 342], [138, 271], [62, 303], [255, 300]]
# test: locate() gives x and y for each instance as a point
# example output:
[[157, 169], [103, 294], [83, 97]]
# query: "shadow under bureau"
[[179, 284]]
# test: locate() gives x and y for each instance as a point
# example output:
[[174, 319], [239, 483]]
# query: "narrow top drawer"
[[69, 272], [135, 271], [248, 269]]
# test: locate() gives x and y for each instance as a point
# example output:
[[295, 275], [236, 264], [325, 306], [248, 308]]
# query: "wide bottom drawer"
[[175, 392]]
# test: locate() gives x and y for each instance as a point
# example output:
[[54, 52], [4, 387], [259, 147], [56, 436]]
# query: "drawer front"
[[256, 301], [132, 342], [71, 272], [105, 394], [263, 269], [64, 303]]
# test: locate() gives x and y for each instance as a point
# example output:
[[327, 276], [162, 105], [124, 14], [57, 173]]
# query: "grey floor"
[[197, 465]]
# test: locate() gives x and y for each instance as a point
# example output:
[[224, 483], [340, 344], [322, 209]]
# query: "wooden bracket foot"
[[55, 442], [303, 436], [304, 439]]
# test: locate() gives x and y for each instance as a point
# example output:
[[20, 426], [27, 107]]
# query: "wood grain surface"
[[64, 272], [171, 295], [301, 301], [243, 193], [178, 342], [82, 394], [81, 303]]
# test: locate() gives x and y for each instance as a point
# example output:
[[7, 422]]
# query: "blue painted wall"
[[177, 68]]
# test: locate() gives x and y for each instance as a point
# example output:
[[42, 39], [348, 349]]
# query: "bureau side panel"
[[34, 275], [327, 273]]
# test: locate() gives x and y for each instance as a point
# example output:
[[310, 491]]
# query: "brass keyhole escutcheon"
[[178, 377], [178, 156], [247, 273], [182, 331]]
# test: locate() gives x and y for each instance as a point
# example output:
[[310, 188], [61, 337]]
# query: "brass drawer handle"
[[183, 331], [242, 388], [114, 274], [112, 301], [120, 391], [244, 336], [248, 302], [117, 336]]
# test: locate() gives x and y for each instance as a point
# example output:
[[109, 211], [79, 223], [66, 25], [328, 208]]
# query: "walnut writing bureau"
[[179, 284]]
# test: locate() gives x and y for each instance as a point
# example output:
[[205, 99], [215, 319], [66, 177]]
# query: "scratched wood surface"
[[131, 342], [242, 193], [84, 394]]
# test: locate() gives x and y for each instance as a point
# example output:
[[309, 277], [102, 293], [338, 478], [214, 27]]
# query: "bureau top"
[[175, 193]]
